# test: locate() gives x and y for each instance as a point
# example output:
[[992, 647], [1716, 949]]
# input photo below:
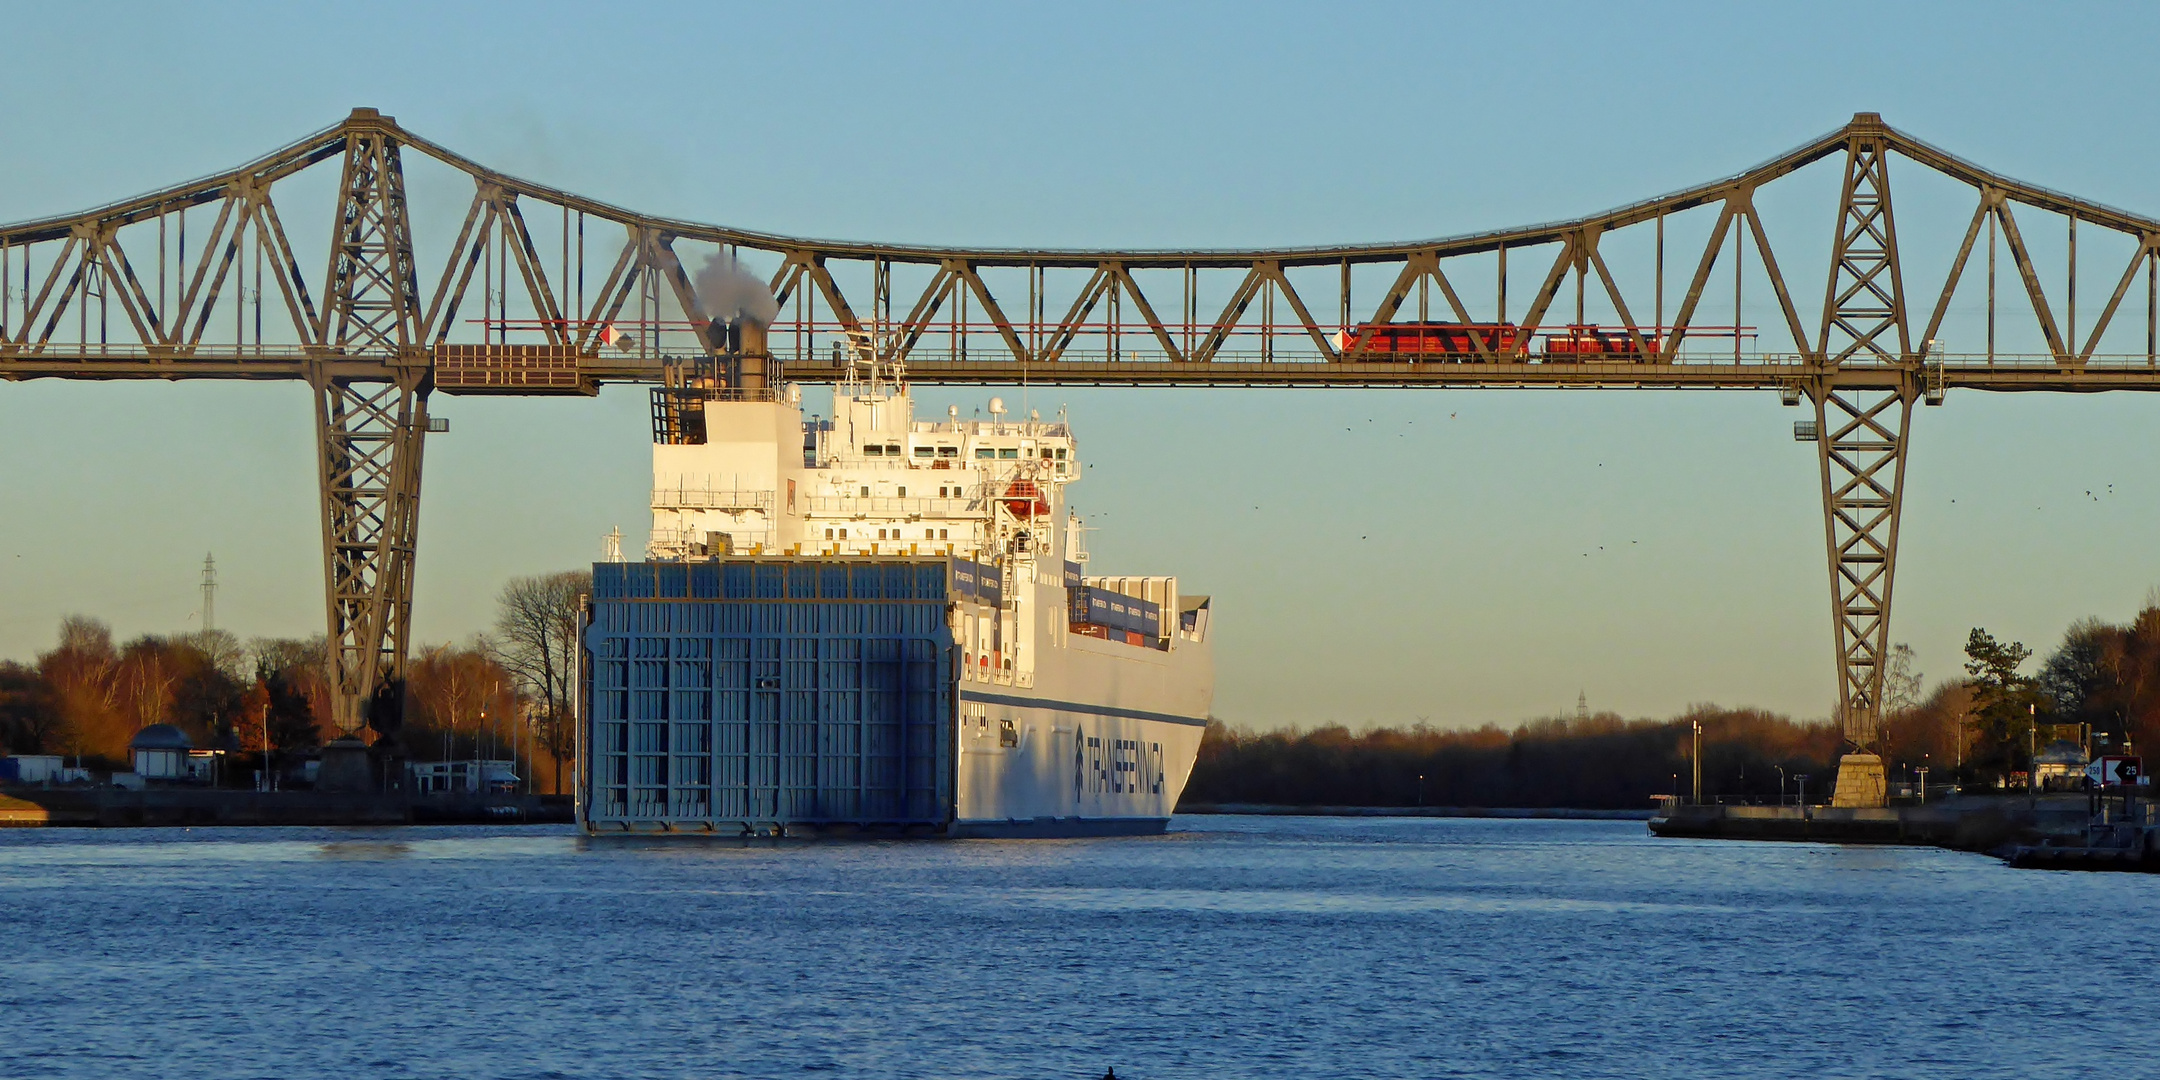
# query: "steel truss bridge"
[[534, 290]]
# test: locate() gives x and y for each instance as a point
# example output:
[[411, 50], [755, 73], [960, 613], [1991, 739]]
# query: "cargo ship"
[[869, 623]]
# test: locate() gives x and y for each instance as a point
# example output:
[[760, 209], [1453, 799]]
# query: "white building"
[[163, 752], [440, 777], [38, 769]]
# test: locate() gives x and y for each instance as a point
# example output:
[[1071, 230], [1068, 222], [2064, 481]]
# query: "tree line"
[[267, 700], [1978, 730], [2101, 682], [1600, 761]]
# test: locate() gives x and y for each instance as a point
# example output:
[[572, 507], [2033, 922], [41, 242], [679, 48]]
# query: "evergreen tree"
[[2004, 702]]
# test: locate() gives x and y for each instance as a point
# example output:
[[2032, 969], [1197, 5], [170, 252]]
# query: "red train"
[[1595, 343], [1417, 342], [1390, 340]]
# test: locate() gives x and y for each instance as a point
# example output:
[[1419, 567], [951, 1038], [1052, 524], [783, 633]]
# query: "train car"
[[1594, 344], [1415, 341]]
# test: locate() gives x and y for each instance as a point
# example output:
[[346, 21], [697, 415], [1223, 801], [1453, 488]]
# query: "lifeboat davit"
[[1025, 500]]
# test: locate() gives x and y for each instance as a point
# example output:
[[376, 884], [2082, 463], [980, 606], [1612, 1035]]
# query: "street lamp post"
[[1801, 799], [2032, 750], [1695, 756], [1780, 784]]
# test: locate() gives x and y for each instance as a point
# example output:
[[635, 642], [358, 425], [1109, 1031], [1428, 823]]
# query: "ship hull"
[[816, 696], [1101, 743]]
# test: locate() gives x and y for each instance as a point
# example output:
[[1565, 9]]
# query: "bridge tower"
[[370, 431], [1863, 415]]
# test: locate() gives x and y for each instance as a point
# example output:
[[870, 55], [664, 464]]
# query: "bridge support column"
[[369, 438], [1863, 413], [1861, 445]]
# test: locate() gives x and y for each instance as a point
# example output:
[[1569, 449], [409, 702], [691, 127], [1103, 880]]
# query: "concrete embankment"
[[1993, 824], [120, 808], [1274, 809]]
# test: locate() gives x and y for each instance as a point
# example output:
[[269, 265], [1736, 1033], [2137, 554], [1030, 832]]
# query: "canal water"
[[1232, 947]]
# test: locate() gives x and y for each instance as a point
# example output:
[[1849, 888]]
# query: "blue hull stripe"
[[1070, 706], [1060, 828]]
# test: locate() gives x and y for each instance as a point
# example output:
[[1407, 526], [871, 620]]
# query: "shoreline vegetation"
[[266, 702], [1978, 732], [87, 696]]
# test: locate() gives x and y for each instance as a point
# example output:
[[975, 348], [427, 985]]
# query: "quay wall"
[[121, 808], [1972, 823], [1273, 809]]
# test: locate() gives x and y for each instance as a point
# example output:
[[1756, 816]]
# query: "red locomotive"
[[1413, 341], [1594, 344]]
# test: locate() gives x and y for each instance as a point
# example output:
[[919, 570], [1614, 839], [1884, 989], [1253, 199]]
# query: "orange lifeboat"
[[1024, 500]]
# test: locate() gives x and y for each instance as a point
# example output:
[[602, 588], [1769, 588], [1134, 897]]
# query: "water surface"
[[1232, 947]]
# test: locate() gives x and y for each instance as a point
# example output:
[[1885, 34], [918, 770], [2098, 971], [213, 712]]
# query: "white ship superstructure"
[[1077, 702]]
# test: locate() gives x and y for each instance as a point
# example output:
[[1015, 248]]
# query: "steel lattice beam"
[[98, 304]]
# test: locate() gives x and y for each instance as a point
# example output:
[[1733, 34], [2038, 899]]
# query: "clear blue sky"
[[1373, 575]]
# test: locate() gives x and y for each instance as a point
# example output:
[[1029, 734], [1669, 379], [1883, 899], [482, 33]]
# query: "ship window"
[[941, 534], [1061, 453], [892, 450], [903, 493], [948, 451], [866, 492], [985, 452], [926, 451], [828, 534], [1008, 452], [1061, 468], [874, 451], [1007, 734], [843, 534], [1046, 453]]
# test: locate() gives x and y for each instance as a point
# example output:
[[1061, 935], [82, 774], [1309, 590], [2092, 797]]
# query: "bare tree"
[[1901, 684], [536, 628], [81, 672], [295, 666], [221, 650]]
